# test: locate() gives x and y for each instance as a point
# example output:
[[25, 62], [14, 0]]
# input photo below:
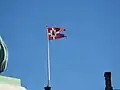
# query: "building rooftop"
[[10, 80]]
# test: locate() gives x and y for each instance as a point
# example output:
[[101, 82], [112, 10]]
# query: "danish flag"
[[54, 33]]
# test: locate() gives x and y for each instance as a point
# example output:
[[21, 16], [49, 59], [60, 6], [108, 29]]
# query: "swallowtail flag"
[[55, 33]]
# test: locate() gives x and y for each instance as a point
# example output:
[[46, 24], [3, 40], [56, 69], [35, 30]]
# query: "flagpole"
[[48, 61], [48, 64]]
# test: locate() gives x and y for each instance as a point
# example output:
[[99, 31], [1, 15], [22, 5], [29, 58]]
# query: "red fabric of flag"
[[54, 33]]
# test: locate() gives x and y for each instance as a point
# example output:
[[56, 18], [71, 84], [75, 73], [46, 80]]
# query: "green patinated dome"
[[3, 55]]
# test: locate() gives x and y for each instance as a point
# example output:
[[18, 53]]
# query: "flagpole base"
[[47, 88]]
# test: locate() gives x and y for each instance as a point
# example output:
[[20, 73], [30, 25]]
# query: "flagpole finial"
[[46, 25]]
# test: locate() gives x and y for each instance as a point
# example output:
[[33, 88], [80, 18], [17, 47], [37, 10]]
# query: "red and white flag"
[[54, 33]]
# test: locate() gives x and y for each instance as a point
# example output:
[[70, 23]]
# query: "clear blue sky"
[[78, 62]]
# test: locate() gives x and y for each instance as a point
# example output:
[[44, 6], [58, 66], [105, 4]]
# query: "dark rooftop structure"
[[108, 83]]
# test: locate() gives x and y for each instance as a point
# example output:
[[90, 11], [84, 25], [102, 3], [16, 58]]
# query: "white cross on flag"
[[54, 33]]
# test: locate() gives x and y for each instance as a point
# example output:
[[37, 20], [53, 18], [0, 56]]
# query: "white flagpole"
[[48, 62]]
